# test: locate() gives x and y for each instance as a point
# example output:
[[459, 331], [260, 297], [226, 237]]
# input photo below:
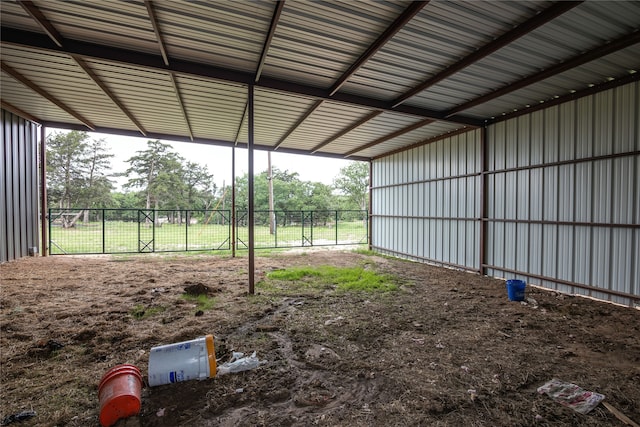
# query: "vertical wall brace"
[[252, 277], [44, 249], [483, 201], [370, 206]]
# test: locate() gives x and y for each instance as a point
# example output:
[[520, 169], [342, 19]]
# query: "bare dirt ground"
[[447, 349]]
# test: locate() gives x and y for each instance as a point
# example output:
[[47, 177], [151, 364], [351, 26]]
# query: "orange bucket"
[[119, 394]]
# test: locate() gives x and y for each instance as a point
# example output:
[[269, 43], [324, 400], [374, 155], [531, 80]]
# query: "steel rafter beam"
[[154, 62], [600, 51], [108, 92], [244, 116], [267, 42], [12, 108], [304, 117], [345, 131], [43, 93], [525, 28], [412, 10], [43, 22], [165, 58], [392, 135], [156, 29], [176, 90]]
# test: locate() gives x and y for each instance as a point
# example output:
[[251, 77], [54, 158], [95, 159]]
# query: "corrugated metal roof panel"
[[427, 132], [275, 114], [21, 97], [15, 16], [440, 35], [122, 24], [616, 65], [315, 42], [214, 109], [314, 130], [222, 34], [148, 95]]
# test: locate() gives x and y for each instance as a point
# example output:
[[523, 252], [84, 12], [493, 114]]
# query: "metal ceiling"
[[354, 79]]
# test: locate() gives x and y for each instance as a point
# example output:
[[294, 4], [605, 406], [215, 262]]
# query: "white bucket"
[[187, 360]]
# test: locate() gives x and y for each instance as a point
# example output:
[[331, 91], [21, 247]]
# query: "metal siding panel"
[[636, 190], [510, 196], [621, 253], [522, 247], [537, 249], [635, 278], [603, 123], [626, 119], [551, 147], [549, 252], [584, 127], [567, 123], [566, 195], [622, 195], [500, 190], [511, 144], [582, 254], [536, 194], [601, 261], [4, 137], [565, 252], [510, 245], [550, 193], [601, 201], [522, 195], [537, 138], [583, 191]]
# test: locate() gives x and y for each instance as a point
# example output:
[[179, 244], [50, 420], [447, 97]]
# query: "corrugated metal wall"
[[18, 187], [561, 188], [426, 202]]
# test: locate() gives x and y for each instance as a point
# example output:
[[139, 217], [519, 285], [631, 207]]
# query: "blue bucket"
[[515, 289]]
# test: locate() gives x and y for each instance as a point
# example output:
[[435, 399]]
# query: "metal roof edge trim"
[[568, 97], [204, 141]]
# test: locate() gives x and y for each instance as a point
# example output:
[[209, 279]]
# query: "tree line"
[[79, 177]]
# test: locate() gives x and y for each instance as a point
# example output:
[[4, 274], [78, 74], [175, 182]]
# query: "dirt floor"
[[446, 349]]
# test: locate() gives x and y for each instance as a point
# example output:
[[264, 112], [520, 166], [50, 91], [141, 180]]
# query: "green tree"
[[199, 188], [157, 172], [353, 182], [77, 173]]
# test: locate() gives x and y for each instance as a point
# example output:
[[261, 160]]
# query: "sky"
[[218, 159]]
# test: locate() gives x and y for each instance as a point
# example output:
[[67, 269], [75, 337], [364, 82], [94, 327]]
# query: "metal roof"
[[332, 78]]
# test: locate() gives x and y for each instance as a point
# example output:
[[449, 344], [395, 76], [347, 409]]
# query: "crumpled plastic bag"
[[238, 363], [571, 395]]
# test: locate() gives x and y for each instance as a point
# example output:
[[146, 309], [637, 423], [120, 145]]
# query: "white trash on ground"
[[238, 363]]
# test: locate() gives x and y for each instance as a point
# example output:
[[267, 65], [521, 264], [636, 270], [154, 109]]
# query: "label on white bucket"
[[187, 360]]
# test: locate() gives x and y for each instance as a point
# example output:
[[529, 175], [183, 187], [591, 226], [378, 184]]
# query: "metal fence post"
[[104, 220]]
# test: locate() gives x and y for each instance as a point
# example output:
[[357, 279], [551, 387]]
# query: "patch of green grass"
[[141, 312], [203, 302], [356, 279], [365, 252]]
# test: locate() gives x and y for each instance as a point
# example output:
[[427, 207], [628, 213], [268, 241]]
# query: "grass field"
[[132, 237]]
